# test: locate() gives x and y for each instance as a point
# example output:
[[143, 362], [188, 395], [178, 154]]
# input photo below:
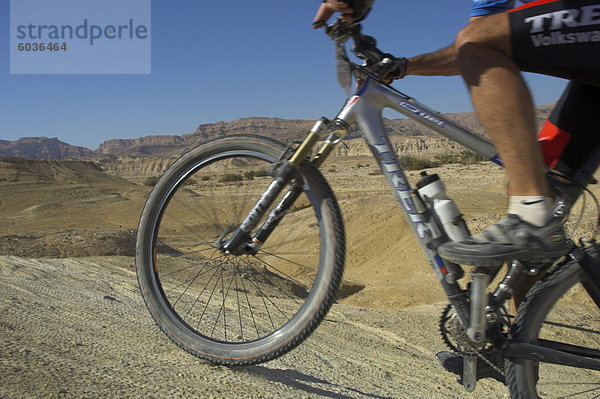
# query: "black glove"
[[397, 66]]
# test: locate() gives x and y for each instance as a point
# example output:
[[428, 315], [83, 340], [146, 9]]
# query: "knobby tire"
[[244, 309], [556, 308]]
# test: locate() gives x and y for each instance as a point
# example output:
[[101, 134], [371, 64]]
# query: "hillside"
[[167, 145], [59, 207], [42, 148], [78, 328], [280, 129], [74, 323], [24, 171], [137, 168]]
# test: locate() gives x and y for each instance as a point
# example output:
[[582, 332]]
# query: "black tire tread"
[[536, 301], [339, 258]]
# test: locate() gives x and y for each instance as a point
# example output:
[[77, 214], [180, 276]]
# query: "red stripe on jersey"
[[532, 4]]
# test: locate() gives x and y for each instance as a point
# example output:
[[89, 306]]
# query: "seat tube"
[[476, 330]]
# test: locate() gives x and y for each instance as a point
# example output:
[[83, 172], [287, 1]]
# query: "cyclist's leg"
[[491, 51], [502, 101], [494, 35]]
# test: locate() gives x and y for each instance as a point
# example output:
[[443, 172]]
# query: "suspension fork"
[[240, 241]]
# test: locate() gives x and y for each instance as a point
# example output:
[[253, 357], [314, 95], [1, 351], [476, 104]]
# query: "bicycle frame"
[[365, 108]]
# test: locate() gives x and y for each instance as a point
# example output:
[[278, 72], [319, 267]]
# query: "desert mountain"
[[280, 129], [73, 172], [169, 145], [42, 148]]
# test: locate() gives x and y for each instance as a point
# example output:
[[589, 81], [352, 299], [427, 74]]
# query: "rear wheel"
[[245, 308], [556, 309]]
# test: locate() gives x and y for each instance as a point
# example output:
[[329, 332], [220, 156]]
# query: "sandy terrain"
[[77, 327], [73, 323]]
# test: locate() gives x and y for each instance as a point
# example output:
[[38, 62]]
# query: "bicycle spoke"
[[250, 309], [221, 309], [572, 326], [200, 294], [566, 326], [194, 265], [209, 299], [281, 272], [225, 297], [209, 244], [237, 295], [274, 285]]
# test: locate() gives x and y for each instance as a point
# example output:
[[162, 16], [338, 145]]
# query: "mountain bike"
[[241, 247]]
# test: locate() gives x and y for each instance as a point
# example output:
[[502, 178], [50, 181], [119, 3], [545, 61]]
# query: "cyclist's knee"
[[491, 33], [464, 36]]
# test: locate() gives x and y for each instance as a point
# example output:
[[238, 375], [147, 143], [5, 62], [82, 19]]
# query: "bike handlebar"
[[382, 65]]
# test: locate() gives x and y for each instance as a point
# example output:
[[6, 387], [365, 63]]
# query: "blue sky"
[[222, 60]]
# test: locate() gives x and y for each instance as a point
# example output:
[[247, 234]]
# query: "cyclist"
[[552, 37]]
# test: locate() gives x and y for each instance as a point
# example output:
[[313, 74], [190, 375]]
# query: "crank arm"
[[469, 373]]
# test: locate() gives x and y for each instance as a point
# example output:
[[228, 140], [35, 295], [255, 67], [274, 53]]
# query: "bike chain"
[[466, 349], [444, 318]]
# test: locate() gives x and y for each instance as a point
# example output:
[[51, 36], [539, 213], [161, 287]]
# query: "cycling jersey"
[[562, 38], [487, 7]]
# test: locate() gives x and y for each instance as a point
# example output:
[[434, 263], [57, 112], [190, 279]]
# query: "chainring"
[[453, 334]]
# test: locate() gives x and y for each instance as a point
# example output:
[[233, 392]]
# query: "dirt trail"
[[77, 327]]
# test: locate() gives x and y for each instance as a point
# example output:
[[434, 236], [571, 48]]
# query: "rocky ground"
[[73, 324], [77, 327]]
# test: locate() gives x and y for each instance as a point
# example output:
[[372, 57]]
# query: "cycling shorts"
[[558, 38], [572, 132]]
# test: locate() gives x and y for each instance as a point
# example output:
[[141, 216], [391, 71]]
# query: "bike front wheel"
[[557, 309], [246, 308]]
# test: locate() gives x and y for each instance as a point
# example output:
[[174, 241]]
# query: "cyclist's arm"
[[439, 63]]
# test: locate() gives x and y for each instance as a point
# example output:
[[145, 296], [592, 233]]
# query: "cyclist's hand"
[[396, 69], [328, 8], [397, 66]]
